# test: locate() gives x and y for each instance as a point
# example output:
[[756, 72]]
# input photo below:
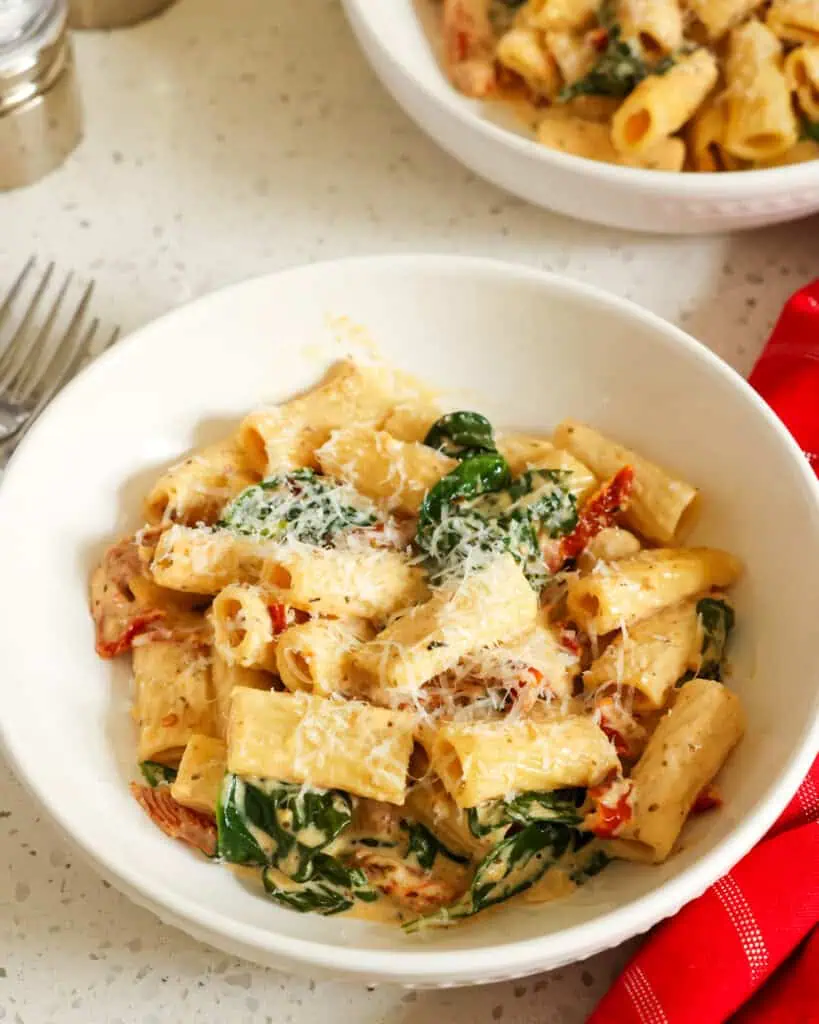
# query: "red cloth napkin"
[[760, 921]]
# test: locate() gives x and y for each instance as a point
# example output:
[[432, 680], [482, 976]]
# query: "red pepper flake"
[[599, 512], [278, 617]]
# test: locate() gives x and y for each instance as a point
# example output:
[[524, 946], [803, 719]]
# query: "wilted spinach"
[[461, 435], [620, 66], [156, 774], [477, 512], [332, 888], [559, 805], [515, 864], [300, 505], [296, 824], [717, 620], [423, 846]]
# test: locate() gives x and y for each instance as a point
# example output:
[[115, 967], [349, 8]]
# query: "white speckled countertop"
[[223, 141]]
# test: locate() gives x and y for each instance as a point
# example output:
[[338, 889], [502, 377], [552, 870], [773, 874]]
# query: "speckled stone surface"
[[223, 141]]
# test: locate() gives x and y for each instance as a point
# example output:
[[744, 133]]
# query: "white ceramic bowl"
[[400, 51], [528, 349]]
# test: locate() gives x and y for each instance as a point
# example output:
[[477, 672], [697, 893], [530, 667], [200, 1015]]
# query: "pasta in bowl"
[[528, 351], [399, 664], [707, 86]]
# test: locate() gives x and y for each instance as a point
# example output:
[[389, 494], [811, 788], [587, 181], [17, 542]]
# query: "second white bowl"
[[394, 41]]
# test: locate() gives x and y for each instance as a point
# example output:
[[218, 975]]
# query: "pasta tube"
[[685, 752], [411, 422], [202, 561], [794, 21], [173, 699], [574, 55], [798, 154], [333, 744], [572, 15], [493, 604], [378, 465], [652, 657], [661, 104], [316, 655], [370, 583], [661, 505], [287, 436], [200, 774], [593, 141], [197, 489], [657, 25], [720, 15], [634, 588], [243, 630], [761, 122], [430, 803], [609, 545], [523, 452], [226, 676], [706, 137], [478, 761], [522, 50], [802, 75]]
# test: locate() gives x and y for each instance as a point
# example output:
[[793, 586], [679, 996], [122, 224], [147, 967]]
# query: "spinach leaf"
[[300, 505], [717, 619], [589, 866], [372, 842], [477, 512], [544, 496], [449, 533], [332, 888], [559, 805], [487, 818], [515, 864], [619, 68], [156, 774], [295, 824], [423, 846], [810, 130], [461, 435], [473, 477]]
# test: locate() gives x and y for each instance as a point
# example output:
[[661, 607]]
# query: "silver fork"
[[39, 357]]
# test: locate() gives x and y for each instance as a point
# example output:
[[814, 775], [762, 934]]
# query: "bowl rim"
[[701, 184], [491, 961]]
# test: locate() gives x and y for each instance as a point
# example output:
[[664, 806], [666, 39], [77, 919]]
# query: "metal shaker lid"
[[112, 13], [40, 118]]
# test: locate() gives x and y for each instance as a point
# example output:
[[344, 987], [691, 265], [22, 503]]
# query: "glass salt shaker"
[[40, 115]]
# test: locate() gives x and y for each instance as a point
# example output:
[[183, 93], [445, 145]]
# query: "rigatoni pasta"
[[761, 121], [384, 656], [486, 760], [662, 505], [335, 744], [684, 754], [633, 588]]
